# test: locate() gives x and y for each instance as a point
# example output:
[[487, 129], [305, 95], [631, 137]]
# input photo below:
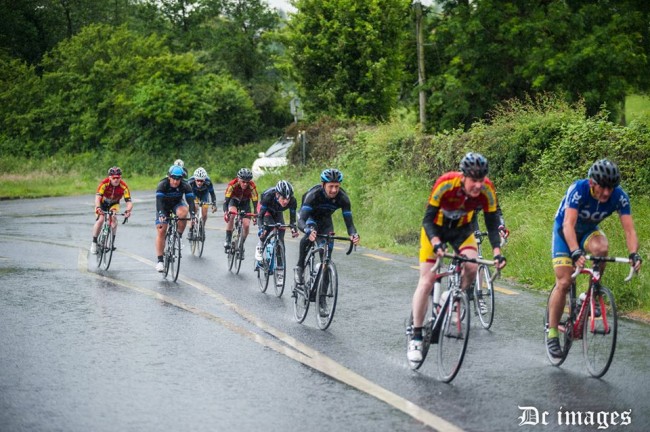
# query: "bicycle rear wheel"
[[175, 262], [279, 268], [565, 328], [426, 339], [453, 337], [327, 292], [599, 333], [301, 292], [484, 289], [107, 254]]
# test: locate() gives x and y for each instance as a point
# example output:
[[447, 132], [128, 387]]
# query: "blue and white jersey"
[[590, 211]]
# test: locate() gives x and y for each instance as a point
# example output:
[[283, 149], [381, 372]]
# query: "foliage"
[[346, 55], [486, 52]]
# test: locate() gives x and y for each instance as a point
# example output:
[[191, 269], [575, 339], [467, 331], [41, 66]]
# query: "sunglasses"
[[199, 181], [116, 178], [176, 177]]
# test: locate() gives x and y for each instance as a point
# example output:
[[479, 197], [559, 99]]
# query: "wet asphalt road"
[[126, 350]]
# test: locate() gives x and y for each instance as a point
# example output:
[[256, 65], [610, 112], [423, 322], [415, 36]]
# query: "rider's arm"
[[346, 208], [213, 197], [631, 238], [430, 228], [160, 194], [492, 222], [292, 211]]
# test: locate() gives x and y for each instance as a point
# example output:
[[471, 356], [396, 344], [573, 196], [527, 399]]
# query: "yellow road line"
[[377, 257], [291, 348]]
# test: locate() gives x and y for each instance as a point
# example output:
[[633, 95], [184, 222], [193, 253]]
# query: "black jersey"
[[168, 197], [269, 205], [317, 209]]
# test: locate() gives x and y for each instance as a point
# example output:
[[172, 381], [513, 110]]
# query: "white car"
[[273, 158]]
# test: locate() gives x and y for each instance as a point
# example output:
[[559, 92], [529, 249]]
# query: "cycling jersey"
[[169, 198], [240, 196], [579, 196], [269, 207], [316, 210], [111, 195], [202, 192], [450, 208]]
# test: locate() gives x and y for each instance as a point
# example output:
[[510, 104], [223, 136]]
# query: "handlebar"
[[331, 236], [597, 259], [112, 213], [462, 258], [480, 234], [278, 225]]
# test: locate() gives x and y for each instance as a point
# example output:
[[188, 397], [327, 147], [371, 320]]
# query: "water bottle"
[[268, 250], [581, 299], [437, 290]]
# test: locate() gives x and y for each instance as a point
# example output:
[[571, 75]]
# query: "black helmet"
[[605, 173], [284, 188], [245, 174], [474, 165], [115, 171], [331, 175]]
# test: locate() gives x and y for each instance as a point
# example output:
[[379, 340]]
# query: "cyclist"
[[202, 187], [240, 191], [109, 193], [586, 203], [169, 198], [454, 198], [273, 202], [316, 210]]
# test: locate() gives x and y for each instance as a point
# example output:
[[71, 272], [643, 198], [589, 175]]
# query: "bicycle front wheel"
[[279, 268], [327, 292], [239, 255], [194, 243], [599, 333], [453, 337], [107, 251], [201, 241], [168, 252], [101, 247], [484, 294], [232, 251], [175, 256]]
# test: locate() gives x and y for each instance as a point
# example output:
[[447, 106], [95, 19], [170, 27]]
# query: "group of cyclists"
[[449, 219]]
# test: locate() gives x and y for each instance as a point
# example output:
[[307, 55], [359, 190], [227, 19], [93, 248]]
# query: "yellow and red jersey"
[[113, 194], [234, 190], [455, 207]]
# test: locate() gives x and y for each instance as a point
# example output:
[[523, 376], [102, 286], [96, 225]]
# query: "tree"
[[346, 55], [491, 51]]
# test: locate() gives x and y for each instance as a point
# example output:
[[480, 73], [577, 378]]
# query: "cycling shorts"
[[167, 211], [561, 253], [244, 204], [460, 239], [106, 206]]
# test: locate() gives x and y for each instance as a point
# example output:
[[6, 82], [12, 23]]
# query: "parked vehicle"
[[273, 158]]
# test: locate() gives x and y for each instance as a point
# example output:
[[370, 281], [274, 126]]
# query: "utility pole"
[[420, 50]]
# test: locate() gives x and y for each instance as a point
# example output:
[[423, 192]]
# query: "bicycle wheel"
[[453, 337], [175, 256], [483, 289], [599, 333], [168, 253], [263, 269], [201, 234], [232, 251], [327, 292], [239, 254], [279, 268], [107, 251], [565, 327], [101, 239], [193, 243], [426, 339], [301, 293]]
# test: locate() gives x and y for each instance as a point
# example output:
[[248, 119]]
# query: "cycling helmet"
[[176, 171], [179, 162], [200, 174], [331, 175], [115, 171], [284, 188], [474, 165], [245, 174], [605, 173]]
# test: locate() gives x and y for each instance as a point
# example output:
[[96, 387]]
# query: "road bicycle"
[[172, 252], [483, 288], [106, 239], [196, 236], [321, 281], [273, 260], [593, 319], [236, 247], [448, 326]]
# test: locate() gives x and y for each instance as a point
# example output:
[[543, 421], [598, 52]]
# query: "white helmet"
[[179, 162], [200, 174]]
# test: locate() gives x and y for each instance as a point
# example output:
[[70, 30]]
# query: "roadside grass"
[[637, 106]]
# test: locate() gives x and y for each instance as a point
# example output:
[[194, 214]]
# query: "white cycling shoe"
[[414, 352]]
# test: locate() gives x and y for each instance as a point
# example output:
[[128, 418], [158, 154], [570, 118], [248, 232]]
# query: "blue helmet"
[[176, 171], [331, 175]]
